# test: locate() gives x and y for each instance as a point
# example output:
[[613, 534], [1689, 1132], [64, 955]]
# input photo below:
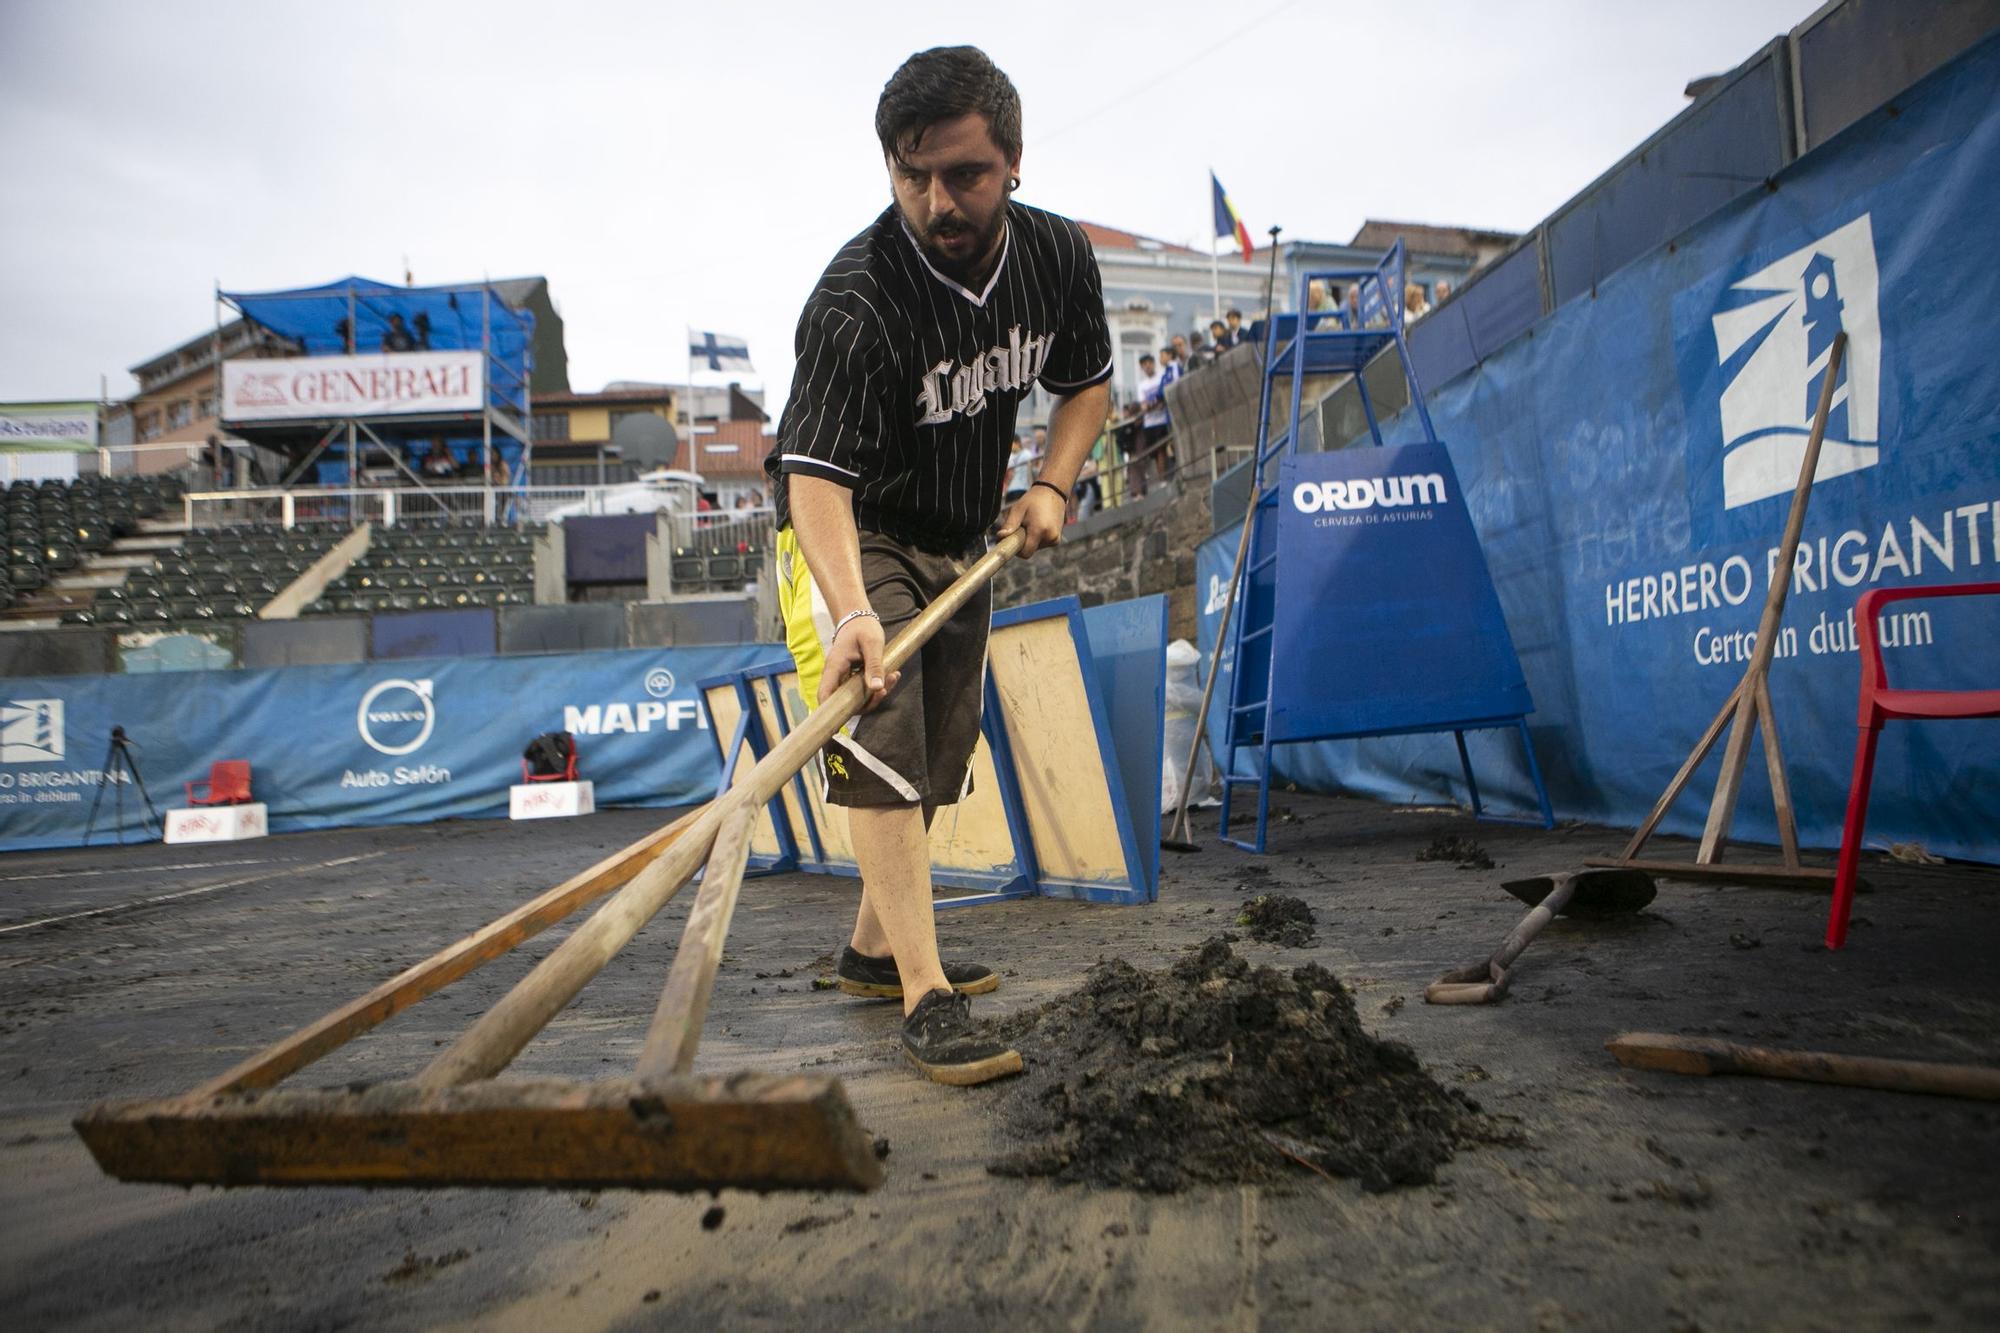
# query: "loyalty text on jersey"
[[949, 389]]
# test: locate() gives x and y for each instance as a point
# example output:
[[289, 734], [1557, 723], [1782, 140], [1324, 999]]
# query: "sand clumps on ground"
[[1214, 1071], [1461, 852], [1274, 918]]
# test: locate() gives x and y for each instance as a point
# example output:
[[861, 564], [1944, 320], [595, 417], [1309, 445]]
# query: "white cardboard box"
[[218, 823], [551, 800]]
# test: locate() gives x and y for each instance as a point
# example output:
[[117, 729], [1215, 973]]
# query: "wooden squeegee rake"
[[455, 1123]]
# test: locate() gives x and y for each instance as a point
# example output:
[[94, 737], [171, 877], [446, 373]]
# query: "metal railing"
[[1121, 477], [393, 505], [723, 531]]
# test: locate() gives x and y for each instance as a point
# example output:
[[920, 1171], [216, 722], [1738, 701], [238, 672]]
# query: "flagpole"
[[1214, 260], [689, 339]]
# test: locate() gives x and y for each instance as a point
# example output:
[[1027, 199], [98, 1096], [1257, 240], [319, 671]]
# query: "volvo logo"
[[396, 716]]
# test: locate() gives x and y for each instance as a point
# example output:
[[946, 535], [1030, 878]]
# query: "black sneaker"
[[878, 979], [941, 1039]]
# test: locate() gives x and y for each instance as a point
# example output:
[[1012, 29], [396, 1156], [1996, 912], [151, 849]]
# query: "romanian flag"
[[1227, 223]]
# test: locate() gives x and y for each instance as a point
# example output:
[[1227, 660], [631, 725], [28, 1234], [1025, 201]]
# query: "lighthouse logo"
[[31, 731], [1774, 331]]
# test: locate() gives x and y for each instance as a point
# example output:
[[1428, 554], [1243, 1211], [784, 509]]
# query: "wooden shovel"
[[1581, 893]]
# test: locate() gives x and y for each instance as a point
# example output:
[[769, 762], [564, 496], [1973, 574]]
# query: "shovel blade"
[[745, 1131], [1593, 892]]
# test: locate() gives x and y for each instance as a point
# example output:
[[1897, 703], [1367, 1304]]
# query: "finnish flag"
[[718, 351]]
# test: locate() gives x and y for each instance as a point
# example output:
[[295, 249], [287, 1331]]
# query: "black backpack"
[[548, 755]]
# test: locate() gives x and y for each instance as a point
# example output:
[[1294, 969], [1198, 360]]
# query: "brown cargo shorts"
[[915, 747]]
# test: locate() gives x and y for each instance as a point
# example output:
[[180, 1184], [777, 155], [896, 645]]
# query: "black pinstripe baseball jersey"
[[907, 383]]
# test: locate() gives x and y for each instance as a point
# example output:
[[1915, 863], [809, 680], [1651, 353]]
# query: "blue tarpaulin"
[[314, 317], [1629, 470]]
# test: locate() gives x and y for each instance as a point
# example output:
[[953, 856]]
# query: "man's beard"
[[930, 242]]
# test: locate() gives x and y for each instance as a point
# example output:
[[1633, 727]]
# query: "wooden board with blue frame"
[[1065, 798]]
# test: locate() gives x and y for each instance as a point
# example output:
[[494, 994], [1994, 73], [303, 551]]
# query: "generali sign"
[[382, 384]]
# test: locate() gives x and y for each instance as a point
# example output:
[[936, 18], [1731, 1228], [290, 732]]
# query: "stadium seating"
[[725, 560], [432, 567], [215, 574], [53, 527]]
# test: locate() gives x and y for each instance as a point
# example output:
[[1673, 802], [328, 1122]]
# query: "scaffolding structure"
[[342, 318]]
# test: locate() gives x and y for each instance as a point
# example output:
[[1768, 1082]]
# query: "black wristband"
[[1052, 486]]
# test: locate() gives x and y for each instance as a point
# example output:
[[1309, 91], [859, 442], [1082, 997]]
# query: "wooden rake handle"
[[488, 1046], [1709, 1055]]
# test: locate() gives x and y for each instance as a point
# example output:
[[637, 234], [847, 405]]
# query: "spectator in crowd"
[[1415, 307], [1442, 290], [1039, 443], [1153, 420], [1219, 340], [1020, 470], [344, 331], [1126, 433], [422, 325], [1086, 497], [439, 465], [1322, 305], [1198, 354], [1236, 332], [397, 337], [757, 500], [1173, 365], [1376, 318]]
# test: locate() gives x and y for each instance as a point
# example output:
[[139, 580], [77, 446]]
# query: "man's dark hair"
[[1236, 312], [942, 84]]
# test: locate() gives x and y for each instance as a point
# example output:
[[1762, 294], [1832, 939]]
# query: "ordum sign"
[[384, 384]]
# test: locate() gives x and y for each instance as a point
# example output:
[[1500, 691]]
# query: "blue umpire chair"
[[1339, 341]]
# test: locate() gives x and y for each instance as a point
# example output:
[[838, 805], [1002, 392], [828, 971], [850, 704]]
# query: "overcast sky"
[[669, 165]]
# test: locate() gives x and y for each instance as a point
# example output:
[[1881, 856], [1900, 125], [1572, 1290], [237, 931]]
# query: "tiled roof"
[[1376, 234], [574, 399], [1111, 238], [727, 449]]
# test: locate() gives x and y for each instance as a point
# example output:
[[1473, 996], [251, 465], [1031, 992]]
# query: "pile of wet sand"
[[1274, 918], [1213, 1071]]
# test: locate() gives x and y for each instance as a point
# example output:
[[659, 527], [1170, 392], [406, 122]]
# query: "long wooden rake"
[[456, 1123]]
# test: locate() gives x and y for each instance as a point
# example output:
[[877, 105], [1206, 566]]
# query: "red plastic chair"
[[228, 784], [1880, 704]]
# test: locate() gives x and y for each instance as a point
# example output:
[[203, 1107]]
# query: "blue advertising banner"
[[375, 743], [1382, 588], [1628, 469]]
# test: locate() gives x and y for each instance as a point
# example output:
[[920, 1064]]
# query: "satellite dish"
[[645, 440]]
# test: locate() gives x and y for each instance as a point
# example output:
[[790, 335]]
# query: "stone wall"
[[1136, 550]]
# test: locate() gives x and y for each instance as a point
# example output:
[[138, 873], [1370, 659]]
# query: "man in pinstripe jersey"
[[914, 352]]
